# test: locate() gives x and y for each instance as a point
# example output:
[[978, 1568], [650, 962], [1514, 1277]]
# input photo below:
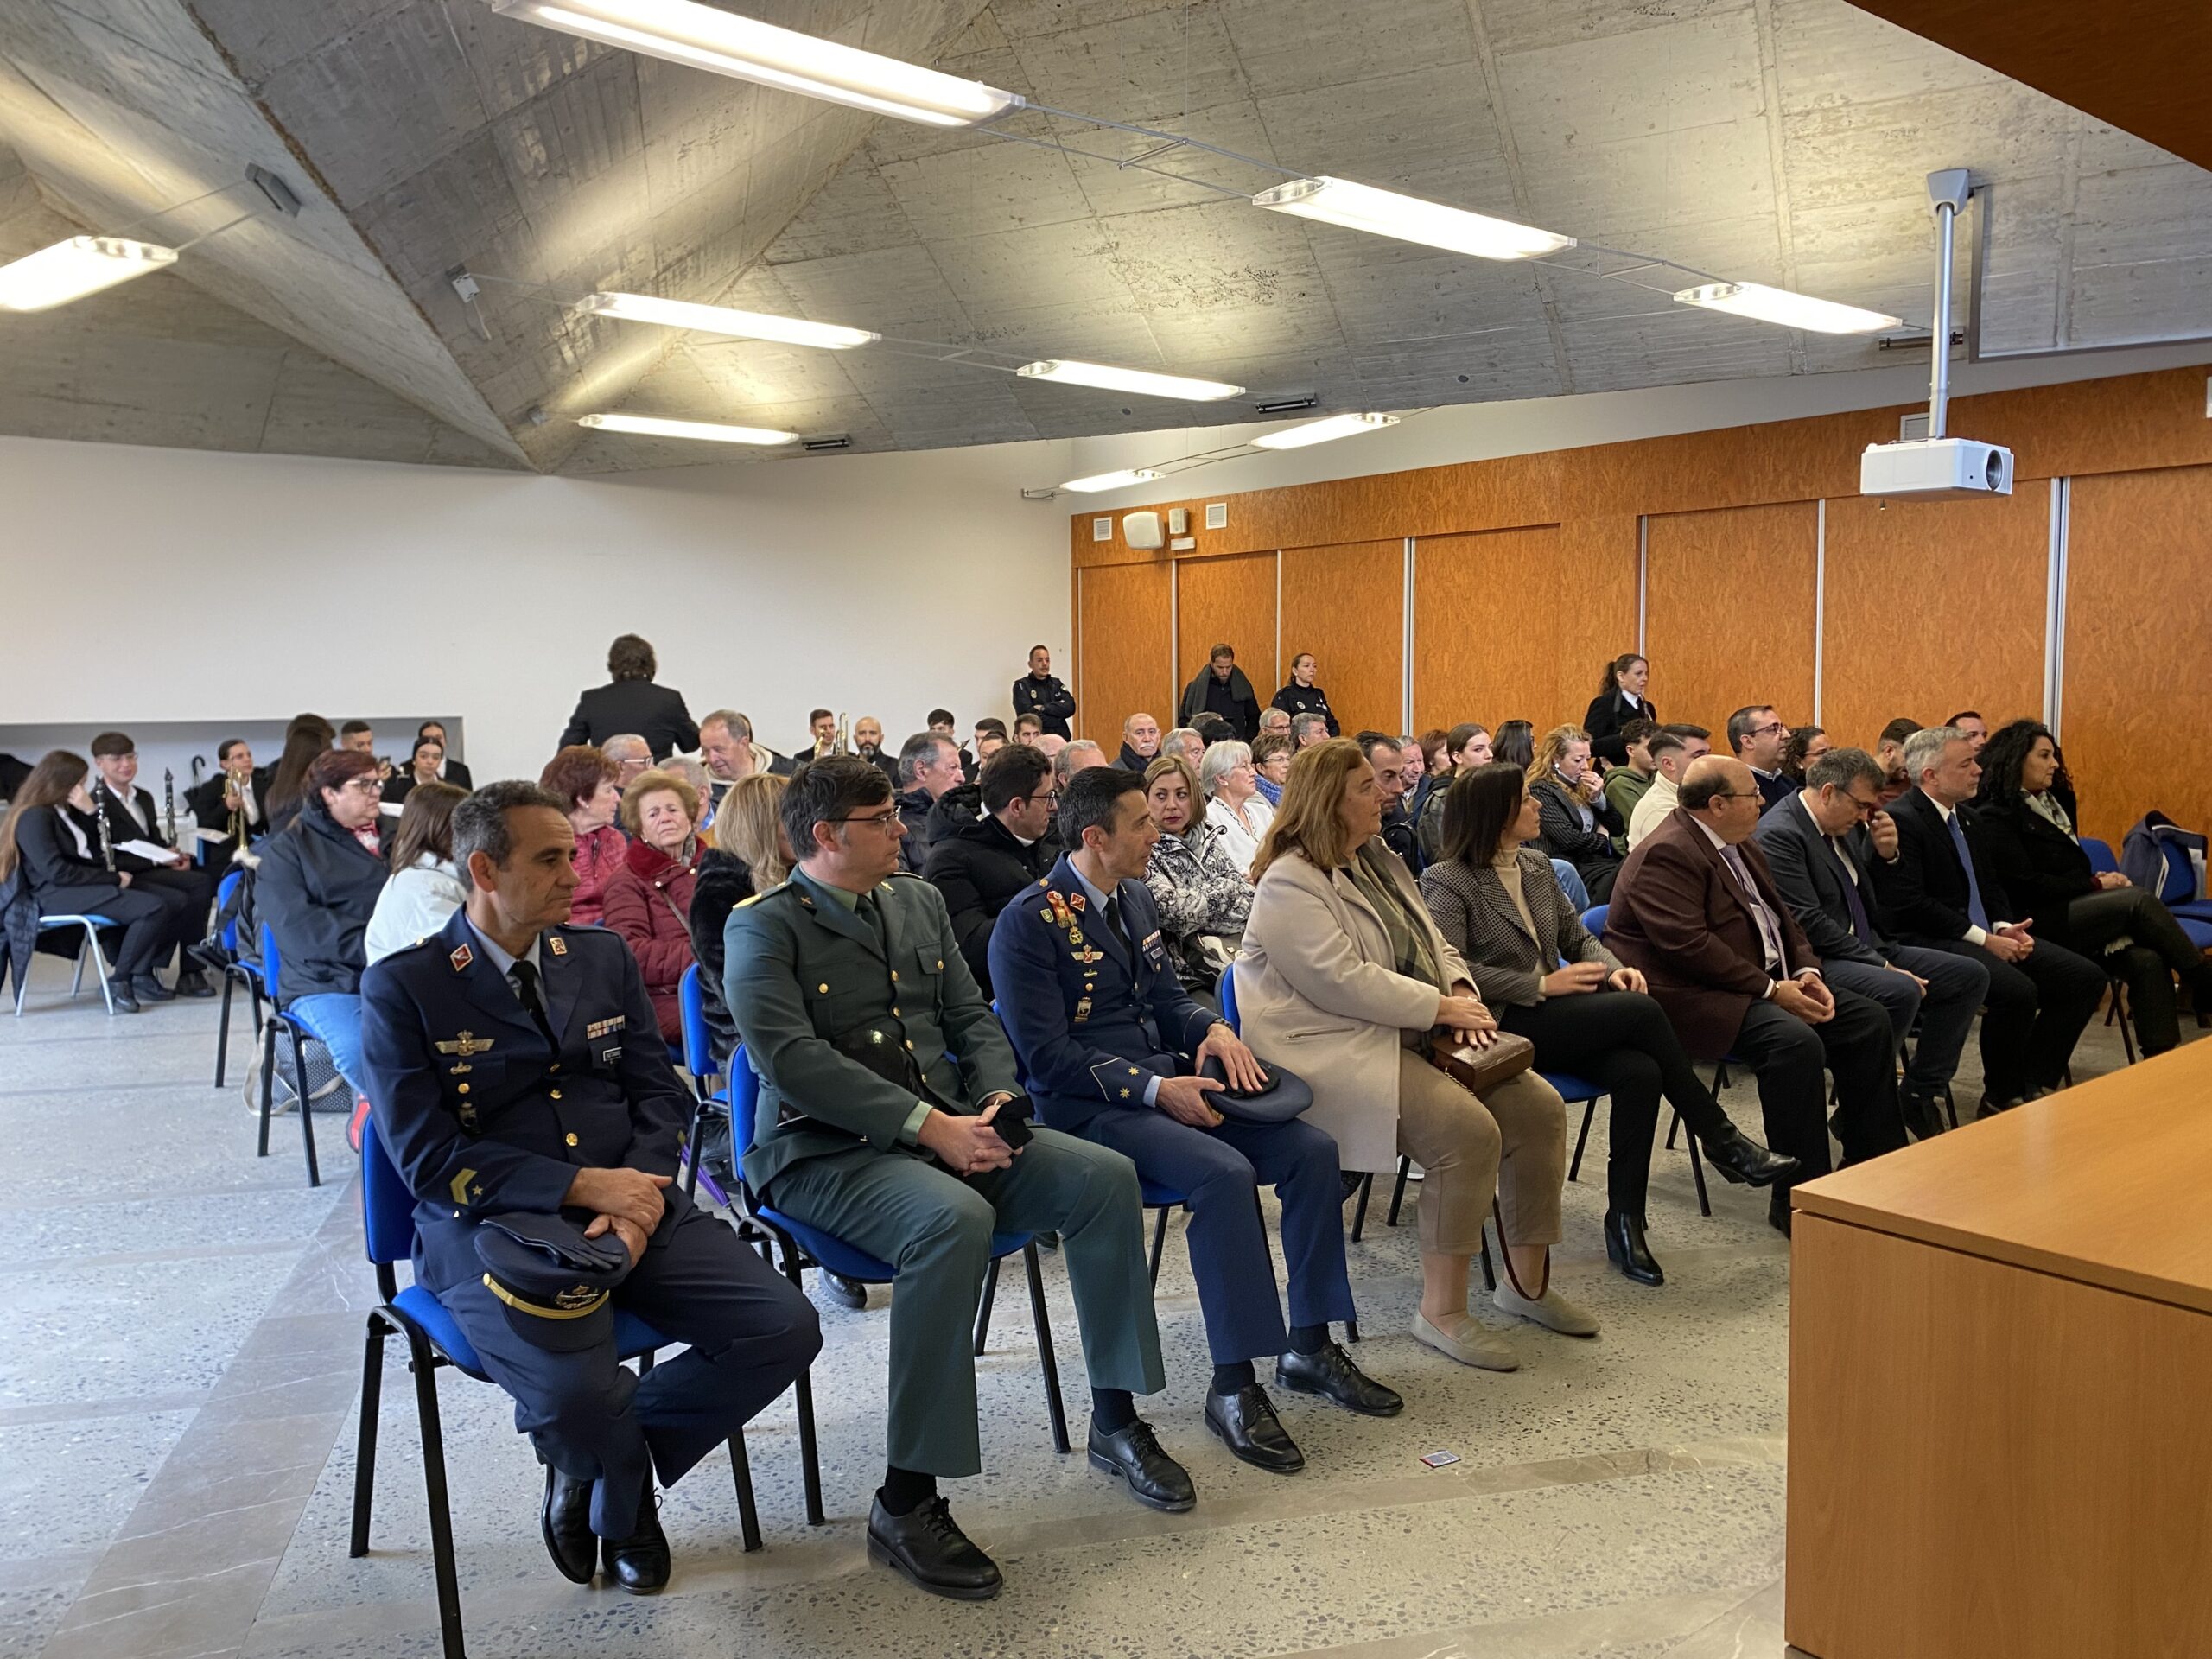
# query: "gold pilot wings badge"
[[467, 1045]]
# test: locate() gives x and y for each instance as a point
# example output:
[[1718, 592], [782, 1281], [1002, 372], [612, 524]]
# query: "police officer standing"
[[851, 995], [518, 1078], [1038, 693]]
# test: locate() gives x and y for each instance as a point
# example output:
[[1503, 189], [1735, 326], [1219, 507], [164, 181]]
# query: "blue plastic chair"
[[2177, 891], [802, 1247], [1228, 998], [237, 969], [300, 1030], [434, 1338], [90, 945], [700, 1062]]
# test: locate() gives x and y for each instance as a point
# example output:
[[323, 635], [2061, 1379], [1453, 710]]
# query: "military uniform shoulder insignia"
[[462, 956], [557, 944]]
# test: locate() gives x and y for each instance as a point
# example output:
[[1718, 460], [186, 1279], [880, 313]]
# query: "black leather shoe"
[[1132, 1453], [846, 1293], [1991, 1106], [191, 982], [119, 992], [1247, 1423], [565, 1520], [929, 1551], [1924, 1115], [1744, 1162], [146, 988], [1331, 1375], [639, 1562], [1777, 1213], [1625, 1248]]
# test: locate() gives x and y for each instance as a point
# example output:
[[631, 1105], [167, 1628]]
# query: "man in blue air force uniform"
[[1099, 1021], [517, 1077]]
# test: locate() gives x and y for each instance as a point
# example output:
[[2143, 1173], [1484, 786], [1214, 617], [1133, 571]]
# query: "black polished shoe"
[[1331, 1375], [565, 1521], [1132, 1453], [1625, 1248], [190, 981], [1777, 1213], [119, 992], [1247, 1423], [639, 1562], [146, 988], [1991, 1106], [927, 1548], [846, 1293], [1744, 1162], [1923, 1113]]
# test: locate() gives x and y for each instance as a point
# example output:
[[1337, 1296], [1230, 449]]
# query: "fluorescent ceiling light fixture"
[[1110, 480], [704, 38], [1337, 426], [1143, 380], [1385, 212], [722, 320], [1791, 310], [69, 271], [653, 427]]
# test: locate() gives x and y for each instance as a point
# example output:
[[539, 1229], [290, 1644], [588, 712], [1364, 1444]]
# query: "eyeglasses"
[[364, 785], [1770, 729], [872, 820], [1738, 795]]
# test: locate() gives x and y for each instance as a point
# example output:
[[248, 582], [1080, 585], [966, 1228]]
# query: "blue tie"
[[1976, 912], [1859, 923]]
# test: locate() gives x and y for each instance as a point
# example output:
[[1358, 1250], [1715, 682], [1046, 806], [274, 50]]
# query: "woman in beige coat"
[[1342, 978]]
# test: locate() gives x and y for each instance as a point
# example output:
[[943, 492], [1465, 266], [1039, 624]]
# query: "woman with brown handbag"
[[1345, 979]]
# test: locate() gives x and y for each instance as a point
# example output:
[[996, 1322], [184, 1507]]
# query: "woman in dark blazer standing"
[[1620, 699], [1496, 903], [2026, 827]]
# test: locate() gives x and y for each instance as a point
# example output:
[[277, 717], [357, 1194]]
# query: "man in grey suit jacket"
[[1822, 844]]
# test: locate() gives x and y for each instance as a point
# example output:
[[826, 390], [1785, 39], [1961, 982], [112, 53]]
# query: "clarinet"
[[107, 835], [168, 803]]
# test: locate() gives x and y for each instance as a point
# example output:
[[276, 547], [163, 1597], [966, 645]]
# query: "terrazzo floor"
[[178, 1392]]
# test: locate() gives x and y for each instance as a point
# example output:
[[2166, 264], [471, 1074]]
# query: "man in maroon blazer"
[[1696, 912]]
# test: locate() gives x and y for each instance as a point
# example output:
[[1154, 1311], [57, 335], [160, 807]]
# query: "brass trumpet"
[[843, 743]]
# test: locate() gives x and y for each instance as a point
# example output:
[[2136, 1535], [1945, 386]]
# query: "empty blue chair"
[[89, 945], [699, 1060], [435, 1339], [237, 969], [1593, 920], [301, 1030]]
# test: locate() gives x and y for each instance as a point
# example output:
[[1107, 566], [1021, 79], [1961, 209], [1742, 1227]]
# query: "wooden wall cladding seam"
[[1124, 629], [2138, 632], [1346, 604], [1728, 612], [1227, 602], [1934, 607]]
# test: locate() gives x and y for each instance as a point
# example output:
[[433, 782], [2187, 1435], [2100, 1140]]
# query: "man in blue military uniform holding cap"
[[1100, 1022], [518, 1081]]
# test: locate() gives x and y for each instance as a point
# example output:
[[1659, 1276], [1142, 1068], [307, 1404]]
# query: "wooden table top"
[[2109, 1184]]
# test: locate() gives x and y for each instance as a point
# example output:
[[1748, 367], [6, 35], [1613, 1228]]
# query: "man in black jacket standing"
[[1221, 687], [1038, 693], [984, 863], [632, 702]]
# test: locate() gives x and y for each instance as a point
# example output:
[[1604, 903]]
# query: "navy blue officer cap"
[[556, 1284]]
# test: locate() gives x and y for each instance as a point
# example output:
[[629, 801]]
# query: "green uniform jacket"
[[801, 970]]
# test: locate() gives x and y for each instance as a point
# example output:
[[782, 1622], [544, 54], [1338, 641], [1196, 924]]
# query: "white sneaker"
[[1551, 1310], [1472, 1345]]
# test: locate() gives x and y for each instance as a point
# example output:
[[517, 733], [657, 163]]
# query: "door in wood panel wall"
[[1346, 604], [1512, 624], [1728, 613], [1933, 607], [2139, 634], [1123, 624], [1227, 601]]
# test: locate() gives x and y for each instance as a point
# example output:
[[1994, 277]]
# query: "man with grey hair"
[[631, 755], [1307, 730], [929, 769], [1274, 719], [727, 745], [1186, 741], [1824, 844], [1078, 756], [1140, 743], [1941, 892]]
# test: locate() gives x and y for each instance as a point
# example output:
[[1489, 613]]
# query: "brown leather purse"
[[1478, 1071]]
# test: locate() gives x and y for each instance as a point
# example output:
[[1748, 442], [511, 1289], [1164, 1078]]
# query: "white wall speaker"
[[1142, 530], [1178, 521]]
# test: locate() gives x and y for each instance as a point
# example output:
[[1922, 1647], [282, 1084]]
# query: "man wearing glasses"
[[1824, 844], [890, 1116], [1696, 912], [985, 861], [1757, 735]]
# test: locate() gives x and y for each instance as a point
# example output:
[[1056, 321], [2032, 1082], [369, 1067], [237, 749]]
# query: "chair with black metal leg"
[[300, 1030]]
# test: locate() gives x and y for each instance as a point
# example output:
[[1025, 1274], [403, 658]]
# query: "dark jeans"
[[1790, 1057], [2158, 951], [2034, 1016], [1620, 1041], [145, 920]]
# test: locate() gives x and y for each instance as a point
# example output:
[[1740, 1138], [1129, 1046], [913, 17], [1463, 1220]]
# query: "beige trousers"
[[1512, 1143]]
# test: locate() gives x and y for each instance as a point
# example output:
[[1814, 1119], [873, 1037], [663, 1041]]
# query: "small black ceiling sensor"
[[1287, 405], [815, 445], [281, 195]]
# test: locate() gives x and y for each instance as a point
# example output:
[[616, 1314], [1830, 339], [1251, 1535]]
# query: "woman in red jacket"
[[650, 897], [585, 778]]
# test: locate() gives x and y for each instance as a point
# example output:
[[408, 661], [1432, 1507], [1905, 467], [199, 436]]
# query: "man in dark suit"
[[1038, 693], [929, 769], [1942, 892], [632, 702], [981, 863], [1823, 845], [516, 1073], [1696, 912], [1102, 1028], [235, 797], [130, 815]]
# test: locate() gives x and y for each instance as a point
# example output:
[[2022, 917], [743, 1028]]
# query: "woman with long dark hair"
[[2026, 823], [1496, 903], [307, 736], [1620, 698], [1514, 742], [424, 888]]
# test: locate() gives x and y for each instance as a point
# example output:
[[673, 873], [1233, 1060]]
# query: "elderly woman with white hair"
[[1235, 806]]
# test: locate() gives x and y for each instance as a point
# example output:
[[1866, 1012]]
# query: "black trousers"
[[191, 894], [143, 923], [1621, 1041], [2158, 951], [1599, 875], [1790, 1058], [2034, 1016]]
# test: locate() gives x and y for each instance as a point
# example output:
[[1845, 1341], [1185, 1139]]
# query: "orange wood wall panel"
[[2139, 629], [1122, 623], [1229, 602], [1512, 623], [1886, 652], [1346, 604], [1728, 612]]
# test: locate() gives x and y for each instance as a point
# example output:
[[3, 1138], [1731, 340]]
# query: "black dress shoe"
[[1923, 1116], [565, 1520], [191, 982], [928, 1548], [1991, 1106], [1331, 1375], [1625, 1248], [1777, 1213], [1132, 1453], [639, 1562], [1247, 1423], [846, 1293], [1742, 1161], [146, 988], [119, 992]]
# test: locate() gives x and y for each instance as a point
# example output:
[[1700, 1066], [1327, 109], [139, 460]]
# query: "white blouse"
[[1241, 836], [413, 905]]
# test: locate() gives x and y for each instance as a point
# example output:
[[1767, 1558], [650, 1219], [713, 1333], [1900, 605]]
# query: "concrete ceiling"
[[1782, 140]]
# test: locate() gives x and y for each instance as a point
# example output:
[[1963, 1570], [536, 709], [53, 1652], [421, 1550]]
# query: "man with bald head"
[[1695, 910]]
